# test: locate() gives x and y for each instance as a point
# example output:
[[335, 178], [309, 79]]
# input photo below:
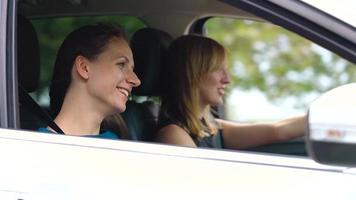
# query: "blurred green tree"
[[280, 63], [262, 56]]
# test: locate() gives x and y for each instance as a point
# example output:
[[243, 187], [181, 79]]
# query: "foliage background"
[[262, 56], [276, 61]]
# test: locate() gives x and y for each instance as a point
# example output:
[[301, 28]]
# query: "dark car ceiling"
[[178, 14], [39, 8]]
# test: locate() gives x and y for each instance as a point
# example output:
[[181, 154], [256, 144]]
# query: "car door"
[[48, 166]]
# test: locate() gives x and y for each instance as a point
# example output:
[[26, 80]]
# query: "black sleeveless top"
[[209, 141]]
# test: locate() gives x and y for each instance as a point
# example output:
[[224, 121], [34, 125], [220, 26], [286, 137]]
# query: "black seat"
[[32, 116], [149, 47], [28, 64]]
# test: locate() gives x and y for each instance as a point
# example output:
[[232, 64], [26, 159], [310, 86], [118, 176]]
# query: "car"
[[52, 166]]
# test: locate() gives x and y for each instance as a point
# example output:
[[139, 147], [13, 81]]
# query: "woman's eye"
[[121, 65]]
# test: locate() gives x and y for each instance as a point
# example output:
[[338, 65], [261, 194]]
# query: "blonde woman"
[[195, 80]]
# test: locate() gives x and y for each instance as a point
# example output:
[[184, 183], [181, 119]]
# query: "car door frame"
[[8, 73]]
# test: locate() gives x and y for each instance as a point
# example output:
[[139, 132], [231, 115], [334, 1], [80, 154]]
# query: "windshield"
[[342, 9]]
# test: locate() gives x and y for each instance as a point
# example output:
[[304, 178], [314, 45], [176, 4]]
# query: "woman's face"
[[111, 77], [212, 87]]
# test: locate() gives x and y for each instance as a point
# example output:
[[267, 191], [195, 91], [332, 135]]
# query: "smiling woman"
[[196, 80], [92, 78]]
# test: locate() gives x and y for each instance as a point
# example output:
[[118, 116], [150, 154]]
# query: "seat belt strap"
[[25, 98]]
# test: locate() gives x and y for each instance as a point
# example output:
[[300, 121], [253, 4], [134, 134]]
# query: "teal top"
[[104, 134]]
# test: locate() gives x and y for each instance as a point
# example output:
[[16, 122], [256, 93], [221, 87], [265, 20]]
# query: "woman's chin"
[[120, 108], [217, 103]]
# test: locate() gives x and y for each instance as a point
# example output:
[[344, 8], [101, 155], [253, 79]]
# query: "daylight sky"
[[342, 9]]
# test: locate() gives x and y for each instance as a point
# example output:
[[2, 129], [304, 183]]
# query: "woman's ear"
[[81, 67]]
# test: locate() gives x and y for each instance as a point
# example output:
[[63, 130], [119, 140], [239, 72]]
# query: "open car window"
[[275, 73]]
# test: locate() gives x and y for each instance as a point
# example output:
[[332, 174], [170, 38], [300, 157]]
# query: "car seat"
[[32, 116], [149, 47], [28, 65]]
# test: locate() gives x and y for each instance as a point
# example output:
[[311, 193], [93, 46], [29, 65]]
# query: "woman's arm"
[[242, 136], [173, 134]]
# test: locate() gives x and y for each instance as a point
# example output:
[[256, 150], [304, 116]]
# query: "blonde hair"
[[189, 58]]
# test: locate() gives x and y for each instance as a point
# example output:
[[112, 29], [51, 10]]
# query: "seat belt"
[[26, 99]]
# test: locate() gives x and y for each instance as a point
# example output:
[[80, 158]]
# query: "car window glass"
[[51, 33], [275, 73]]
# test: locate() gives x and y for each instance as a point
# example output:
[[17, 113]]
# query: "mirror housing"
[[331, 130]]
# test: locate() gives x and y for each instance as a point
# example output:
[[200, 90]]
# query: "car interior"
[[149, 46]]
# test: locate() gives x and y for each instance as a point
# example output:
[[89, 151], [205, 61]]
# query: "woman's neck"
[[203, 108], [78, 116], [77, 123]]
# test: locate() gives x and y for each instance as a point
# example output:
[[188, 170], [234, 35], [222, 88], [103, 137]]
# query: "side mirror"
[[331, 134]]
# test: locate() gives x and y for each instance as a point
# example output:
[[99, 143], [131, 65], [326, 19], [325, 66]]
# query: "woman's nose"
[[226, 77], [133, 79]]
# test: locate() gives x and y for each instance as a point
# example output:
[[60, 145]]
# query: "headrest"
[[28, 55], [149, 47]]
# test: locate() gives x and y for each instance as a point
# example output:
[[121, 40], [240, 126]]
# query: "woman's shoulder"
[[169, 125], [172, 128], [164, 121], [174, 134]]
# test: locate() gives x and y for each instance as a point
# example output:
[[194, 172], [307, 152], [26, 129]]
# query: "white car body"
[[47, 166], [37, 166]]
